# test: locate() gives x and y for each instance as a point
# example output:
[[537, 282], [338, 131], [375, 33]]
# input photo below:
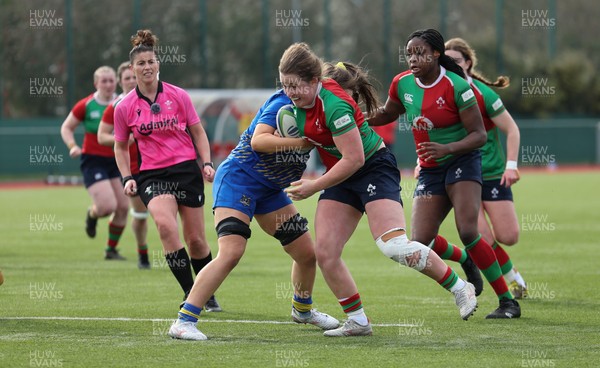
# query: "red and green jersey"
[[493, 159], [333, 114], [434, 109], [109, 118], [89, 111]]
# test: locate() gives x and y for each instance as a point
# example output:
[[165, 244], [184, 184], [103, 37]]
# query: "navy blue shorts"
[[183, 181], [379, 178], [97, 168], [433, 181], [493, 191], [235, 188]]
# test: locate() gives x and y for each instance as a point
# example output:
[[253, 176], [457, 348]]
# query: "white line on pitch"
[[202, 320]]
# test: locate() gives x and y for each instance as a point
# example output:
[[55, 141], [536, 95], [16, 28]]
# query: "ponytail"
[[352, 77], [459, 45], [451, 65]]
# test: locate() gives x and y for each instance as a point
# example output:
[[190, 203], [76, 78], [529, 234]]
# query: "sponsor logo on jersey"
[[422, 123], [467, 95], [166, 124], [408, 98], [343, 121], [95, 114], [497, 105]]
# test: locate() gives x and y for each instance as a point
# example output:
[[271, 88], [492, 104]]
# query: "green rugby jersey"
[[334, 113], [434, 110], [89, 111], [493, 159]]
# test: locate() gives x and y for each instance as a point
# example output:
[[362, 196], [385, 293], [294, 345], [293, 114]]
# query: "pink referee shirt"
[[161, 137]]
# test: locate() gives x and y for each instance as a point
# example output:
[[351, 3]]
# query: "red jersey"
[[109, 118]]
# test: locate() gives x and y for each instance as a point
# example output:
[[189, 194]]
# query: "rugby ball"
[[286, 122]]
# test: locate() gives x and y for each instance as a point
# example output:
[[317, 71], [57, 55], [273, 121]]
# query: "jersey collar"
[[158, 90], [315, 99], [97, 98], [439, 78]]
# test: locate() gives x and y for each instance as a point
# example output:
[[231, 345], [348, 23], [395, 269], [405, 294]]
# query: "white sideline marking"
[[202, 320]]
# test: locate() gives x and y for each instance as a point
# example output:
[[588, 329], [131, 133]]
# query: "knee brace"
[[291, 230], [233, 226], [138, 215], [400, 249]]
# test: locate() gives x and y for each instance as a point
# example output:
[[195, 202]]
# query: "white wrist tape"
[[511, 165]]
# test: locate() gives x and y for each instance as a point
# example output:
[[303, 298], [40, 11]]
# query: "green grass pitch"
[[98, 313]]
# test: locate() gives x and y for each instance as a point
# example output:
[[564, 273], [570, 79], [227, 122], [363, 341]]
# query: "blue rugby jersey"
[[276, 170]]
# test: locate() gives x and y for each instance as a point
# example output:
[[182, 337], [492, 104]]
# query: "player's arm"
[[121, 144], [353, 158], [121, 147], [476, 137], [201, 141], [508, 126], [67, 132], [105, 134], [388, 113], [264, 140], [350, 146], [123, 163], [122, 158]]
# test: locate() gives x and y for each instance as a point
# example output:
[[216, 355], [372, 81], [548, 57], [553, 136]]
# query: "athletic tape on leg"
[[402, 250], [138, 215]]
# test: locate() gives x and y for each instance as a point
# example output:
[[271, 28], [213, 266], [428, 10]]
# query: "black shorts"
[[136, 177], [493, 191], [182, 181], [433, 181], [379, 178], [97, 168]]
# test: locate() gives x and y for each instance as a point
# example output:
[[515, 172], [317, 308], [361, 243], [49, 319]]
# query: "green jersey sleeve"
[[340, 117], [463, 94], [493, 103]]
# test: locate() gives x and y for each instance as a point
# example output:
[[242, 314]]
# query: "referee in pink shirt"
[[169, 137]]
